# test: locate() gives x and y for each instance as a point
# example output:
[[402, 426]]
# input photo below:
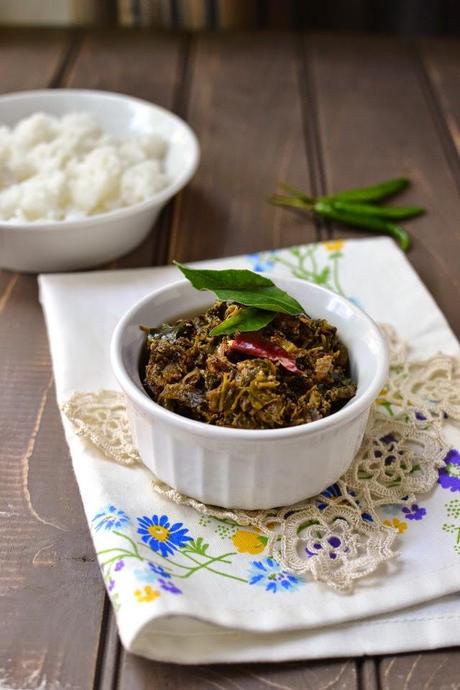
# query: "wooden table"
[[320, 111]]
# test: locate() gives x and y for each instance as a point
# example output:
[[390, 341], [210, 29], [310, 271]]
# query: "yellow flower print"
[[400, 525], [146, 594], [248, 542], [158, 532], [334, 245], [381, 399]]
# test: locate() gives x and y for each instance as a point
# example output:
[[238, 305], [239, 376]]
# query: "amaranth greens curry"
[[293, 371]]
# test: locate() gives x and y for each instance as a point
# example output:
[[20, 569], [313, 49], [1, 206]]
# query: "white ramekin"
[[240, 468], [73, 244]]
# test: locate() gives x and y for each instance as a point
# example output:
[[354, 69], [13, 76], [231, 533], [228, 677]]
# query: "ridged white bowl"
[[72, 244], [240, 468]]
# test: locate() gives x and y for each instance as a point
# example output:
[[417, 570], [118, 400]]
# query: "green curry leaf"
[[244, 287], [245, 319]]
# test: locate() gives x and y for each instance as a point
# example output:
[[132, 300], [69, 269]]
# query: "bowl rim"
[[118, 213], [353, 409]]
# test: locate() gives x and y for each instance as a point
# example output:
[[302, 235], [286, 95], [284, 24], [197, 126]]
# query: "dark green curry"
[[293, 371]]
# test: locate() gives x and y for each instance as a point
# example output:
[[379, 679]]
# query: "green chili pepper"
[[396, 212], [327, 210], [374, 193], [296, 192], [292, 201]]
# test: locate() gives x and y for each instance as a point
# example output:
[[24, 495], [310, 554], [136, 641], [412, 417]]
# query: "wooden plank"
[[245, 108], [426, 670], [251, 138], [30, 59], [51, 589], [367, 670], [47, 570], [139, 674], [50, 570], [148, 66], [441, 60], [53, 606], [376, 122], [141, 64]]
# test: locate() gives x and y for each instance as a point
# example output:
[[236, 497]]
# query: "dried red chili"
[[258, 346]]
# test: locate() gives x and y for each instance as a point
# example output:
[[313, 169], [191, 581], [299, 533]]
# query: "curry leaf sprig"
[[259, 297], [357, 207]]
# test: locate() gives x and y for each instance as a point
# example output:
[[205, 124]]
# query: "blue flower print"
[[163, 578], [414, 512], [161, 536], [261, 263], [158, 576], [269, 575], [449, 476], [169, 586], [158, 570], [110, 518], [332, 491], [331, 544], [388, 440]]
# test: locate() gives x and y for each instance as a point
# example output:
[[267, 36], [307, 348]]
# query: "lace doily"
[[399, 458], [102, 419]]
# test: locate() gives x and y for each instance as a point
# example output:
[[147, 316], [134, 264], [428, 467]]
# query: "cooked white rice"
[[68, 168]]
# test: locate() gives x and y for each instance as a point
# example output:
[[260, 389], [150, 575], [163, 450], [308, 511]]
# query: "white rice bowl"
[[85, 198]]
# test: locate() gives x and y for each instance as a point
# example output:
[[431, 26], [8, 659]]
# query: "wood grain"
[[50, 586], [244, 106], [425, 671], [324, 675], [376, 122], [139, 64], [31, 59], [441, 61]]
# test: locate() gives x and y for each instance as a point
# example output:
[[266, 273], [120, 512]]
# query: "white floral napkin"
[[193, 589]]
